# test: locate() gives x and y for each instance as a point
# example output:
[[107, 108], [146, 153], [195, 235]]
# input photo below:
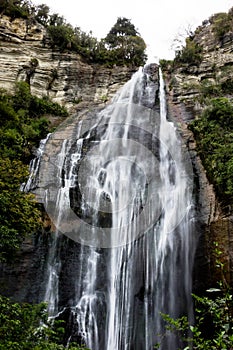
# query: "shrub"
[[222, 24], [22, 126], [191, 53], [61, 36], [25, 326], [213, 327], [213, 131], [19, 215]]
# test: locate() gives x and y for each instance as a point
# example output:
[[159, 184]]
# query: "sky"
[[157, 21]]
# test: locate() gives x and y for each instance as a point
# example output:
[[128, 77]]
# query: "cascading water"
[[34, 167], [126, 199]]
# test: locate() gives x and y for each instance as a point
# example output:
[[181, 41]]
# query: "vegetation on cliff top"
[[122, 46], [189, 52]]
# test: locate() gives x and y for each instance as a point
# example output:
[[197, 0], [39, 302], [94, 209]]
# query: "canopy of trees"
[[122, 46], [125, 42]]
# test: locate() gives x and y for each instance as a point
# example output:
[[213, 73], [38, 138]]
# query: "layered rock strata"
[[64, 77]]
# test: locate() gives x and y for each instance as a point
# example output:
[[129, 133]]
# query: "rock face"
[[67, 79], [64, 77], [186, 81], [184, 84]]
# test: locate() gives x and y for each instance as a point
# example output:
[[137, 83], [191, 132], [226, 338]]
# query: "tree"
[[136, 49], [125, 43], [121, 29], [61, 35], [15, 8], [56, 20], [42, 14]]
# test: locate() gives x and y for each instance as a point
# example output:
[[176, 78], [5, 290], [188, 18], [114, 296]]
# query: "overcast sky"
[[158, 21]]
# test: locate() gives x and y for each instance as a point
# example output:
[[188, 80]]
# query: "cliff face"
[[64, 77], [68, 80], [185, 84], [187, 80]]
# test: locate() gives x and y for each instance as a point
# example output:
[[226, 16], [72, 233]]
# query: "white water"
[[62, 202], [165, 252], [34, 167], [137, 196]]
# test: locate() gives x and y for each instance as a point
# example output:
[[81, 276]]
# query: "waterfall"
[[34, 167], [125, 198]]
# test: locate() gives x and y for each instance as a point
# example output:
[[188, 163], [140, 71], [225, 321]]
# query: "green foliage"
[[61, 36], [22, 126], [213, 131], [165, 64], [121, 46], [125, 43], [191, 53], [19, 214], [42, 14], [27, 327], [15, 8], [22, 122], [209, 89], [227, 86], [122, 28], [33, 105], [222, 23], [213, 327]]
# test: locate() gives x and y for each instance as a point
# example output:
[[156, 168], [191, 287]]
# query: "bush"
[[25, 326], [222, 24], [209, 89], [16, 8], [213, 131], [61, 36], [19, 215], [191, 53], [213, 327], [22, 126]]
